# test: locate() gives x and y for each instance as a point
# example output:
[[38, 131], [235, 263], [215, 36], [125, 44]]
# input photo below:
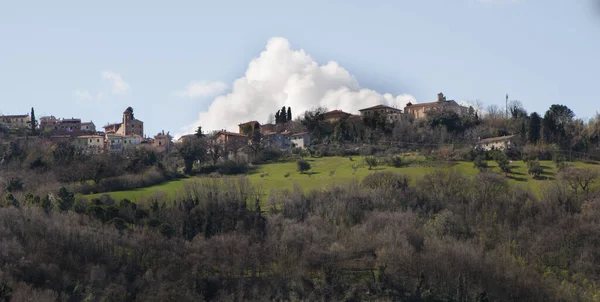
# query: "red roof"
[[379, 107], [248, 123], [429, 104], [229, 133], [336, 112]]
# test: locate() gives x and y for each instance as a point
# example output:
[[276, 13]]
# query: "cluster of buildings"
[[116, 137], [284, 140], [128, 133]]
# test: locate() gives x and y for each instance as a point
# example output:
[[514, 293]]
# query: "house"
[[248, 126], [268, 128], [496, 143], [225, 137], [419, 111], [129, 125], [49, 123], [88, 127], [162, 142], [114, 142], [94, 143], [301, 140], [70, 125], [184, 137], [390, 114], [16, 121], [280, 141], [132, 140], [335, 115]]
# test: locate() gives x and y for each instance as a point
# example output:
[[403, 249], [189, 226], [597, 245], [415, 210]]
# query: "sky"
[[215, 64]]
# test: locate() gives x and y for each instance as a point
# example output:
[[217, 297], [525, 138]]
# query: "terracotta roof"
[[15, 116], [90, 136], [429, 104], [336, 112], [230, 133], [495, 139], [380, 107], [113, 124], [248, 123]]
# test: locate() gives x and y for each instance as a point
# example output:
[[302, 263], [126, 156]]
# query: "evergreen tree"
[[278, 117], [33, 122], [289, 114], [283, 115], [199, 133], [534, 129]]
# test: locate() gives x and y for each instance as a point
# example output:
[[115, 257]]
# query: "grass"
[[331, 170]]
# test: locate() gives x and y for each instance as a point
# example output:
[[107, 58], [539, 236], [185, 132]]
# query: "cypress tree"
[[289, 114], [33, 122]]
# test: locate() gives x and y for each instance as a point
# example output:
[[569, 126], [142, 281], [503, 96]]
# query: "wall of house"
[[15, 121]]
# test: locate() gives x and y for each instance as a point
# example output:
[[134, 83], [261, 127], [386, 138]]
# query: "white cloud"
[[119, 86], [86, 96], [200, 89], [282, 76]]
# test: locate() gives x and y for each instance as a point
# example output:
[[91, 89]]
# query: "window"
[[98, 140]]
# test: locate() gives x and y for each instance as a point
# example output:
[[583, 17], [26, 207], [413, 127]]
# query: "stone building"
[[251, 125], [88, 127], [390, 114], [335, 115], [129, 125], [16, 121], [419, 111]]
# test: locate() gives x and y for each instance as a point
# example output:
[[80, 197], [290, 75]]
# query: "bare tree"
[[579, 178]]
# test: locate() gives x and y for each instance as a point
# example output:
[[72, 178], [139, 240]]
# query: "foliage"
[[534, 168], [303, 166], [480, 163], [371, 162], [192, 149]]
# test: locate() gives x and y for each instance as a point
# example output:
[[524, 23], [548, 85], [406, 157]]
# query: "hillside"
[[326, 171]]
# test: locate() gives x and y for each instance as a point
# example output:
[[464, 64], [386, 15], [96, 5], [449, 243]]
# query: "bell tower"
[[127, 118]]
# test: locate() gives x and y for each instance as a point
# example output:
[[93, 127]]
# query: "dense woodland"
[[443, 237]]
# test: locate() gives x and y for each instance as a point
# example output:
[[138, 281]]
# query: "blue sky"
[[92, 60]]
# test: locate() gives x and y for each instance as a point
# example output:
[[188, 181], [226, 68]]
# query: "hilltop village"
[[129, 132]]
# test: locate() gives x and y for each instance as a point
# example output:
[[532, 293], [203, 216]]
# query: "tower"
[[127, 118]]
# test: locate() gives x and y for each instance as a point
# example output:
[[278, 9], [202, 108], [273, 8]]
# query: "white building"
[[301, 140], [496, 143]]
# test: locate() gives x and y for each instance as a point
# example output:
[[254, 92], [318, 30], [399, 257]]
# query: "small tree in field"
[[480, 163], [534, 168], [371, 162], [303, 166], [504, 165]]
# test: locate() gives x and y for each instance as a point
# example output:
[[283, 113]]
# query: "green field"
[[331, 170]]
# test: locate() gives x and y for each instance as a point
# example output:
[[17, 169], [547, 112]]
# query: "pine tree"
[[289, 114]]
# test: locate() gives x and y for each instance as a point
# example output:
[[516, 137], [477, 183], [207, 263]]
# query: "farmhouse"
[[390, 114], [496, 143]]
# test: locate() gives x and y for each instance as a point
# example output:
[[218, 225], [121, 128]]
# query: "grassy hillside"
[[330, 170]]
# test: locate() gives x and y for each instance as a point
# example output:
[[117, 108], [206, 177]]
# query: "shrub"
[[232, 168], [286, 175], [480, 163], [386, 179], [534, 168], [303, 166], [14, 184], [396, 161], [371, 162]]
